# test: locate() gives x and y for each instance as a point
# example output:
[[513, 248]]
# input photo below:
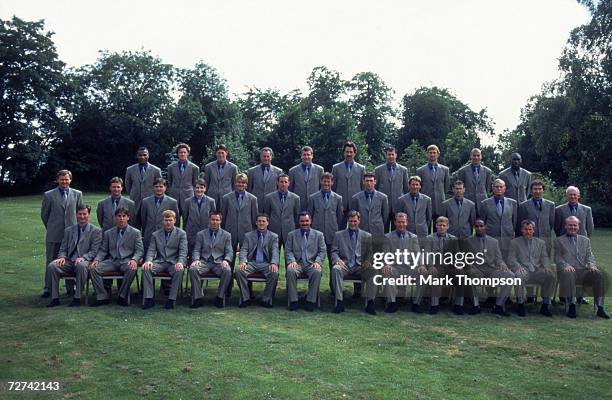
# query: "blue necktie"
[[477, 174], [65, 196], [115, 205], [259, 257], [304, 247], [499, 207], [266, 173], [354, 248], [283, 197], [307, 174], [157, 202], [120, 233], [369, 198]]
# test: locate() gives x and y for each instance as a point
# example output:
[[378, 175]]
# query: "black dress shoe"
[[370, 309], [415, 308], [75, 303], [309, 306], [122, 302], [520, 310], [266, 304], [530, 300], [219, 302], [601, 313], [99, 303], [45, 295], [149, 303], [197, 303], [294, 306], [571, 312], [433, 310], [169, 304], [244, 304], [458, 310], [545, 310], [339, 307], [54, 303], [499, 310], [474, 310], [391, 307]]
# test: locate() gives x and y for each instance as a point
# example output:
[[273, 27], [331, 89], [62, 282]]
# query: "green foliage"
[[413, 157]]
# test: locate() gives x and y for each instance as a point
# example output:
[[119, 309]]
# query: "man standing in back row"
[[477, 179], [392, 180], [139, 180], [262, 177], [182, 176], [518, 180], [304, 178], [348, 177], [220, 175], [435, 180]]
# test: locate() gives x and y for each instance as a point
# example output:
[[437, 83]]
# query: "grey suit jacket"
[[180, 186], [195, 219], [326, 216], [248, 247], [57, 215], [440, 244], [374, 216], [460, 221], [130, 248], [518, 190], [283, 217], [578, 256], [219, 185], [476, 190], [87, 247], [419, 218], [532, 258], [393, 185], [345, 184], [491, 252], [342, 248], [544, 220], [139, 187], [434, 187], [583, 213], [260, 186], [205, 250], [238, 220], [503, 227], [172, 251], [410, 243], [151, 216], [315, 248], [302, 186], [106, 216]]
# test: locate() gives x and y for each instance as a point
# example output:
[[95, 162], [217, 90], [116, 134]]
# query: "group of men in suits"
[[227, 215]]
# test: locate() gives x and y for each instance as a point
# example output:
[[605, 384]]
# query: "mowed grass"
[[114, 352]]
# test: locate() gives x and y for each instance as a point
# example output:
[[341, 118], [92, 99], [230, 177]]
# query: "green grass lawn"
[[260, 353]]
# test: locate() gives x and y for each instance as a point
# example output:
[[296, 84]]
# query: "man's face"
[[63, 181], [401, 223], [199, 190], [391, 156], [159, 189], [499, 188], [573, 196], [442, 227], [326, 184], [537, 192], [265, 157], [476, 158], [349, 154], [283, 184], [572, 227], [459, 191], [527, 231], [142, 156], [307, 157], [369, 183], [516, 162], [353, 223], [240, 185], [115, 189], [221, 156], [214, 221], [304, 222], [480, 228], [415, 186], [82, 217], [262, 223], [182, 154], [121, 220], [432, 155], [169, 223]]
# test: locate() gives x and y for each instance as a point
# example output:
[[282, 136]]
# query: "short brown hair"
[[182, 146]]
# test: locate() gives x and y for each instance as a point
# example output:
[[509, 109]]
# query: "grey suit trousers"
[[112, 266], [196, 285], [547, 280], [147, 279], [338, 274], [390, 291], [584, 277], [314, 280], [51, 250], [504, 291], [56, 271], [264, 268]]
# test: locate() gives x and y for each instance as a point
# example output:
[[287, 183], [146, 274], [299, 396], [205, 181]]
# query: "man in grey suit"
[[212, 252], [461, 212], [196, 212], [107, 207], [304, 255], [518, 180], [435, 180], [348, 178], [121, 250], [540, 211], [259, 253], [488, 263], [529, 261], [349, 257], [304, 178], [500, 214], [139, 180], [58, 211], [373, 207], [262, 177], [576, 265], [79, 247], [418, 207], [392, 180], [182, 177], [167, 253], [152, 209], [220, 175], [283, 208], [477, 179], [573, 207]]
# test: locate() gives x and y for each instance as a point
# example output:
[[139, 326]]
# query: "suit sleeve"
[[250, 183], [551, 217], [405, 183], [558, 221], [185, 211], [385, 210], [513, 256], [291, 181], [103, 250], [322, 249], [139, 251], [213, 205], [289, 256], [206, 175], [266, 206], [170, 176], [339, 212], [254, 212], [297, 207], [183, 248], [544, 260], [152, 250], [590, 256], [244, 250], [174, 207], [195, 175], [335, 250], [560, 255], [428, 213], [336, 178], [589, 223], [63, 251], [79, 199], [196, 249], [143, 215], [100, 213], [96, 241], [45, 209], [275, 252], [229, 251], [223, 211]]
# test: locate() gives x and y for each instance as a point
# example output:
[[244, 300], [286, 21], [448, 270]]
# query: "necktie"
[[354, 249], [259, 258], [168, 236], [414, 202], [538, 204], [326, 197], [304, 247], [76, 244], [240, 200], [434, 170], [307, 174], [182, 167], [142, 171], [369, 198], [199, 202], [476, 174], [221, 168], [573, 209], [115, 205], [392, 169], [459, 204], [266, 173], [64, 196], [283, 198], [213, 237], [349, 168], [499, 208], [119, 241], [440, 243]]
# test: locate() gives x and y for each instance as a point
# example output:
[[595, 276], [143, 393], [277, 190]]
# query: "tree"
[[413, 157]]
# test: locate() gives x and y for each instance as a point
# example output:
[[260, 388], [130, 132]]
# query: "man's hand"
[[316, 265], [569, 268], [273, 268], [593, 268], [93, 265], [242, 266], [422, 270], [60, 261], [196, 263], [133, 265], [292, 265], [387, 270], [521, 271], [432, 271], [147, 266], [225, 264], [79, 260], [340, 262], [178, 267]]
